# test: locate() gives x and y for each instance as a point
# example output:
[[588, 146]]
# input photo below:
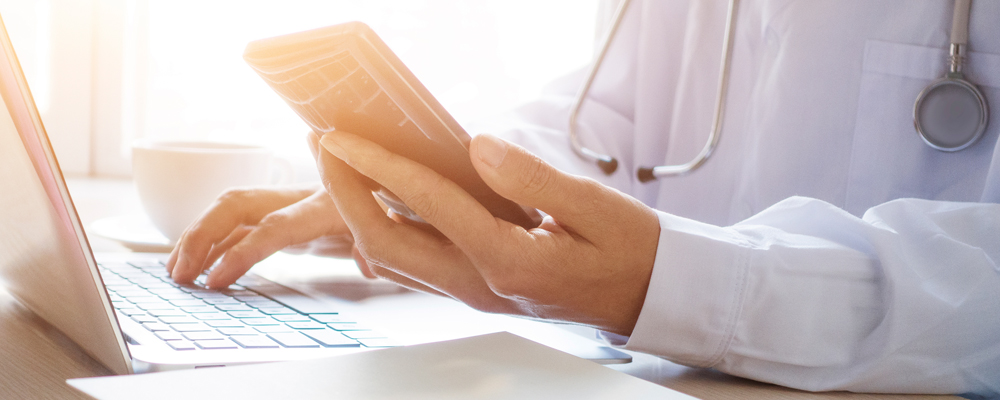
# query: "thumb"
[[522, 177]]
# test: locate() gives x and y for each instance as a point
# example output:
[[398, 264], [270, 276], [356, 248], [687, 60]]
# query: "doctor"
[[823, 245]]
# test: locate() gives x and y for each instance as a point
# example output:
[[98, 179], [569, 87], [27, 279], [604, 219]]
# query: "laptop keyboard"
[[243, 316]]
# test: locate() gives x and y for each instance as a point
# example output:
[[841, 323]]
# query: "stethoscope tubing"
[[609, 164]]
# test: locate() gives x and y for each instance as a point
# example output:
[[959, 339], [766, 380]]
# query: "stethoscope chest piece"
[[950, 114]]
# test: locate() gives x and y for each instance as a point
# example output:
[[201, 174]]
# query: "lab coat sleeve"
[[904, 299]]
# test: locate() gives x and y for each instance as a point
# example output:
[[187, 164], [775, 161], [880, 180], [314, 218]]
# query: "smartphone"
[[344, 77]]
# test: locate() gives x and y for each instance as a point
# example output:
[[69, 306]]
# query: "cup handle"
[[286, 173]]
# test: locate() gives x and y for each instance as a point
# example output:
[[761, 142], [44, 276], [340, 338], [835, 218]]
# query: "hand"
[[589, 262], [244, 226]]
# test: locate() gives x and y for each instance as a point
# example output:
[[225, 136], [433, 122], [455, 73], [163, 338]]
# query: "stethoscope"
[[950, 114]]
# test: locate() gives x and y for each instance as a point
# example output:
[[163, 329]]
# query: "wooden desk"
[[36, 359]]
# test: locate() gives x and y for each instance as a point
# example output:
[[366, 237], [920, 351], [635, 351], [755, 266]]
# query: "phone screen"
[[343, 77]]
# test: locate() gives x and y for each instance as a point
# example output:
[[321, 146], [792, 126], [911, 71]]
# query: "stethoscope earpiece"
[[645, 174], [608, 166]]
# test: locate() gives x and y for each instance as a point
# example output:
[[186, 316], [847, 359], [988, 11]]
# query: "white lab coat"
[[823, 246]]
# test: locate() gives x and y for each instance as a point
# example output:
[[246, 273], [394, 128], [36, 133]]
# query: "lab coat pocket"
[[889, 160]]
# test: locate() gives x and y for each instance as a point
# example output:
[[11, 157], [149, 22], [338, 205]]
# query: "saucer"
[[134, 231]]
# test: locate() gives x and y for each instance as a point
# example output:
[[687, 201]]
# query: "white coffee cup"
[[178, 181]]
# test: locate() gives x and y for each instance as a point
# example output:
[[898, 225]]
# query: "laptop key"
[[273, 328], [169, 335], [292, 299], [181, 345], [226, 323], [131, 311], [176, 296], [236, 290], [208, 295], [215, 344], [238, 331], [293, 340], [144, 278], [262, 303], [203, 335], [255, 342], [162, 305], [144, 318], [330, 338], [144, 299], [162, 273], [164, 313], [246, 314], [328, 318], [291, 318], [146, 264], [154, 285], [233, 307], [199, 309], [156, 326], [259, 321], [306, 325], [187, 302], [273, 311], [221, 300], [347, 326], [216, 316], [187, 287], [191, 327], [178, 319], [168, 290], [117, 266], [130, 291]]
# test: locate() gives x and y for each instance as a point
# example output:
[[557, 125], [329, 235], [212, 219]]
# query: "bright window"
[[174, 69], [477, 57]]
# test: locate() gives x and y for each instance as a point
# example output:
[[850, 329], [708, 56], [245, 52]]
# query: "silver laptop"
[[126, 312]]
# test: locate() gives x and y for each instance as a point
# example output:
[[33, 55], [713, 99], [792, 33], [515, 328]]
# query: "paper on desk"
[[495, 366]]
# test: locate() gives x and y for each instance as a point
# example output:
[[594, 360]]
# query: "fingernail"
[[182, 261], [210, 281], [491, 150], [331, 145]]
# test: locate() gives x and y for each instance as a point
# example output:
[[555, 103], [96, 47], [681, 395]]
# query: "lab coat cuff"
[[695, 293]]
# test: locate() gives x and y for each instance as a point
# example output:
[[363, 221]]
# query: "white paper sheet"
[[494, 366]]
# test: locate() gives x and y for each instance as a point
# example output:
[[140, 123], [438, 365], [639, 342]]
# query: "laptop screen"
[[45, 260]]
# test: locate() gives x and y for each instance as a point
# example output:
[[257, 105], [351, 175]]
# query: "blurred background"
[[107, 72]]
